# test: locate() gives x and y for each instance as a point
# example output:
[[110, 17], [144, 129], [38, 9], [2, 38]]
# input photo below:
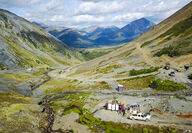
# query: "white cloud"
[[20, 3], [128, 17], [88, 18], [101, 7], [92, 12]]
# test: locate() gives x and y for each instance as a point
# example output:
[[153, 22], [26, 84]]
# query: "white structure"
[[109, 106], [113, 107], [116, 107], [120, 87]]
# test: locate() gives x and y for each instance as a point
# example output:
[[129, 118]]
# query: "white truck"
[[140, 116]]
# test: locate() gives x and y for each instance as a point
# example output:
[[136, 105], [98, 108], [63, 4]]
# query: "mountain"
[[134, 29], [137, 27], [102, 31], [168, 42], [41, 25], [73, 38], [24, 45], [96, 36]]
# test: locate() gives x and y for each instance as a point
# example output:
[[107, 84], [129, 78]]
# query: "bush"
[[170, 51], [167, 85], [190, 76], [142, 71], [137, 83], [146, 43], [3, 66], [176, 50]]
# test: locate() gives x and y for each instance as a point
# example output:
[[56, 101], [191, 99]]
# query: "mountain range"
[[25, 45], [96, 36], [48, 87], [168, 42]]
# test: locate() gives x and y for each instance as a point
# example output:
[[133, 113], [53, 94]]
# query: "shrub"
[[137, 83], [176, 50], [146, 43], [142, 71], [170, 51], [167, 85], [190, 76], [3, 66]]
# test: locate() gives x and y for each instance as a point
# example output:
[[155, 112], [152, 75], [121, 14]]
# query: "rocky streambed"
[[50, 117]]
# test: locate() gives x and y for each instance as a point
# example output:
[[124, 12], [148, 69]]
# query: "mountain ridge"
[[137, 54], [98, 36], [25, 45]]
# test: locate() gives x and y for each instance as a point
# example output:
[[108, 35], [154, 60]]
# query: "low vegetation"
[[100, 85], [121, 74], [76, 104], [142, 71], [107, 69], [182, 28], [13, 108], [137, 83], [63, 85], [167, 85], [3, 66], [93, 53], [15, 77], [146, 43], [125, 54], [175, 50], [190, 76], [178, 28]]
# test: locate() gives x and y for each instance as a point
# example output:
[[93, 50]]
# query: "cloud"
[[92, 12], [20, 3], [101, 7]]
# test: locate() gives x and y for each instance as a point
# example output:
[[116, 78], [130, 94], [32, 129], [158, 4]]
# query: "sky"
[[84, 13]]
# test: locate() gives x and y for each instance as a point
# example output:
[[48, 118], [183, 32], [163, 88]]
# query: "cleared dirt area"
[[164, 111]]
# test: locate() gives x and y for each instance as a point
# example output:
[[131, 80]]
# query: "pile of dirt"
[[185, 116], [157, 111]]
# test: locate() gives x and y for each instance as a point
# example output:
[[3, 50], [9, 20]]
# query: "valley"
[[98, 36], [47, 86]]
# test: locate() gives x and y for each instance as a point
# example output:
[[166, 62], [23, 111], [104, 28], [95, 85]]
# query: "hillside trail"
[[146, 55], [165, 58], [109, 79], [128, 77]]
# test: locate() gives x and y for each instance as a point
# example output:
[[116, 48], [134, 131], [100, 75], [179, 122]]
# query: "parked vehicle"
[[186, 67], [140, 116], [172, 74], [166, 67], [181, 69]]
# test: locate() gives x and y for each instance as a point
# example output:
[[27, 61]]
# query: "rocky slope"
[[24, 45]]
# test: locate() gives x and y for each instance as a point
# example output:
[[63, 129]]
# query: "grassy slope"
[[92, 53], [15, 115], [181, 46], [29, 46]]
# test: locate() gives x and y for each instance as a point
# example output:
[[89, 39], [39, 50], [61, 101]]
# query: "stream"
[[50, 118]]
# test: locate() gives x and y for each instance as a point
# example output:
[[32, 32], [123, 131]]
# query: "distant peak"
[[141, 19]]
